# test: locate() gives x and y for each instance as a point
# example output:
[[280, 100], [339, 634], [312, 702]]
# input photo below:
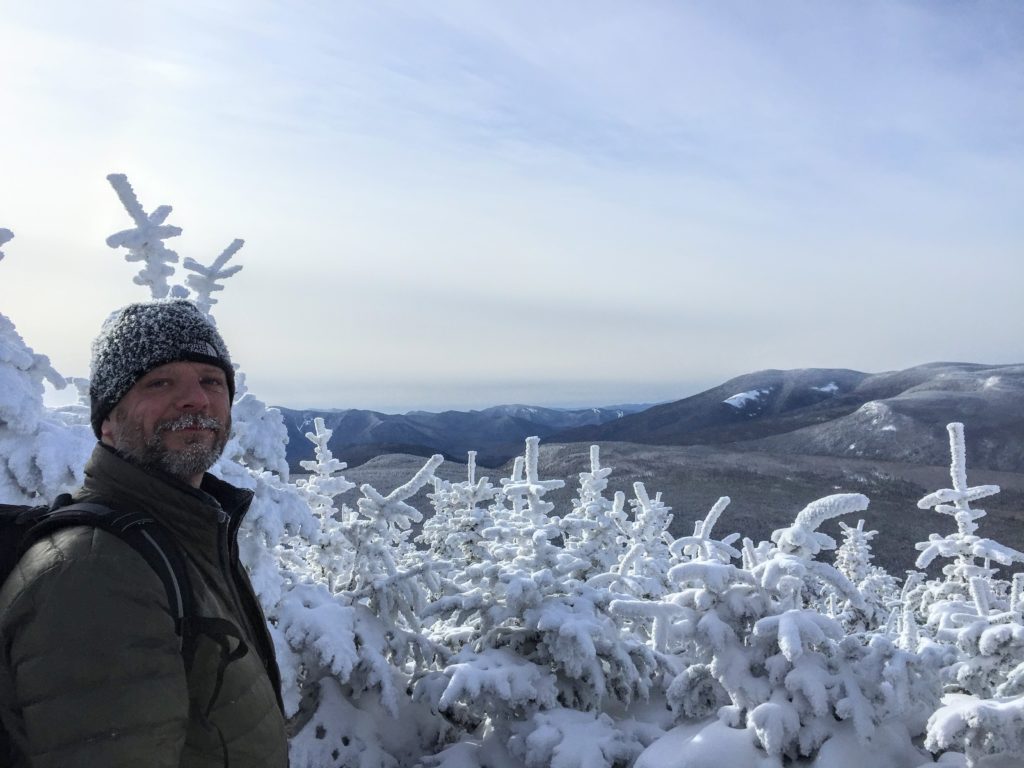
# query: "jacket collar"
[[193, 514]]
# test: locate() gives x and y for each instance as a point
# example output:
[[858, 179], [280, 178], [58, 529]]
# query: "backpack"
[[23, 526]]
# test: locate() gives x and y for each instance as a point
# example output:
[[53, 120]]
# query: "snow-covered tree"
[[647, 543], [963, 547], [878, 588], [596, 530], [455, 531], [41, 453]]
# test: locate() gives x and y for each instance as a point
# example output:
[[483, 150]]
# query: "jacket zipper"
[[223, 521]]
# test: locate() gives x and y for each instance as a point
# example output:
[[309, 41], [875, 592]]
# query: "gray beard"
[[184, 464]]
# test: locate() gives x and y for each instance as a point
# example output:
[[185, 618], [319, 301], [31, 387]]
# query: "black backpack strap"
[[143, 534]]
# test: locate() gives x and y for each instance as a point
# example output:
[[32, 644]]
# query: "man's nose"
[[193, 395]]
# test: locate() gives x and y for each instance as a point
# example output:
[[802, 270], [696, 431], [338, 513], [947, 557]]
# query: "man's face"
[[176, 418]]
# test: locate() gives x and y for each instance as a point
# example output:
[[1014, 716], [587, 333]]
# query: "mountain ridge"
[[890, 416], [893, 416]]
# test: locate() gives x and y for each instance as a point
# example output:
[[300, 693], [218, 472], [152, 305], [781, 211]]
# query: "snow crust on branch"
[[145, 241], [205, 281]]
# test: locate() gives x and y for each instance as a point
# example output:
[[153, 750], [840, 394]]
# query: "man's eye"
[[214, 382], [157, 383]]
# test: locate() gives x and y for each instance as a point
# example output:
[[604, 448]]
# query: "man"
[[91, 666]]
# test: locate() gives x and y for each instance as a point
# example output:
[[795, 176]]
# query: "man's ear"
[[107, 431]]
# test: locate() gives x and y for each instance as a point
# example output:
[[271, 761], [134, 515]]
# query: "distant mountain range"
[[897, 416], [495, 433]]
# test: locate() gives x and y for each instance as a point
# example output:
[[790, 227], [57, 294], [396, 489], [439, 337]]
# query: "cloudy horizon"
[[456, 204]]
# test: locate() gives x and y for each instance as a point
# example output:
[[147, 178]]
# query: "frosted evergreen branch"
[[5, 237], [392, 508], [145, 241], [389, 581], [1017, 593], [820, 510], [701, 544], [660, 614], [803, 537], [206, 280], [981, 595], [910, 636], [797, 630]]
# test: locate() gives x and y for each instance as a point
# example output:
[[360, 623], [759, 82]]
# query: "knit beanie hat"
[[140, 337]]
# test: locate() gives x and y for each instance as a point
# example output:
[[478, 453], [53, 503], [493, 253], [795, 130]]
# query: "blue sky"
[[459, 204]]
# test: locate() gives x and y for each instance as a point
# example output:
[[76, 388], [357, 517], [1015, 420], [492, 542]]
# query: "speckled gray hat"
[[136, 339]]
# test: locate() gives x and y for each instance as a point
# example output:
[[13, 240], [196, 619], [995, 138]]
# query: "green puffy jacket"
[[91, 670]]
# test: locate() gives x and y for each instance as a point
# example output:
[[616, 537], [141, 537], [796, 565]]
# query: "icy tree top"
[[961, 495], [325, 481], [532, 487], [593, 483], [145, 241], [5, 237], [206, 280]]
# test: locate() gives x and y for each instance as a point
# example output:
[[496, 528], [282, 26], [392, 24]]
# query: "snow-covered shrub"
[[596, 529], [879, 589], [42, 453], [454, 533]]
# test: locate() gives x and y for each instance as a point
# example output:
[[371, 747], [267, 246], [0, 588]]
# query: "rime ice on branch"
[[145, 241], [701, 545], [205, 280]]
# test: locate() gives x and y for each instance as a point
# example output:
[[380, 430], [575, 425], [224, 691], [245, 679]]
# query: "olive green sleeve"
[[92, 668]]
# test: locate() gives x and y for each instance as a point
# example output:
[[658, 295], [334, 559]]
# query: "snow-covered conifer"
[[41, 455], [648, 553], [879, 589], [963, 547], [455, 532], [717, 605], [595, 530]]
